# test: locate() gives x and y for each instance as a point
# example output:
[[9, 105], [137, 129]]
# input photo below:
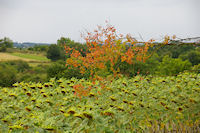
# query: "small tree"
[[55, 53], [106, 50], [5, 43], [63, 41]]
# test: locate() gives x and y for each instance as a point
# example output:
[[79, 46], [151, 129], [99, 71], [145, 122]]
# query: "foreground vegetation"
[[139, 104]]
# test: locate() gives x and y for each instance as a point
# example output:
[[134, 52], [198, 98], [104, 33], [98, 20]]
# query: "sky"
[[45, 21]]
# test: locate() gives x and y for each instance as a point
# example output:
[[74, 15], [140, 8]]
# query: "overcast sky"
[[47, 20]]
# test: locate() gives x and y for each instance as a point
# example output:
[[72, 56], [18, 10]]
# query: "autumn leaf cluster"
[[106, 50]]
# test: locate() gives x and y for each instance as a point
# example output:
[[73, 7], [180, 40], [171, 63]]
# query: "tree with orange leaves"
[[106, 47]]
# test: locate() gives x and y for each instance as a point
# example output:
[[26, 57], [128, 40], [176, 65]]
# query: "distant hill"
[[27, 44]]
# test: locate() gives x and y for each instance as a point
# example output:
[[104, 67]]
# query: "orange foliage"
[[81, 91], [104, 45]]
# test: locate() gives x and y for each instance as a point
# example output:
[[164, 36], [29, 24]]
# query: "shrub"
[[196, 68], [40, 69], [171, 66], [19, 65], [29, 77], [58, 70], [3, 49], [192, 56], [7, 75], [55, 53]]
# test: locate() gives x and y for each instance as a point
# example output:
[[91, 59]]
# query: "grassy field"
[[8, 56], [31, 56], [32, 59], [22, 56]]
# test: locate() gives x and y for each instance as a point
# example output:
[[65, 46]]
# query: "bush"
[[18, 71], [8, 75], [29, 77], [55, 53], [3, 49], [58, 70], [196, 68], [171, 66], [143, 68], [74, 72], [19, 65], [192, 56], [40, 69]]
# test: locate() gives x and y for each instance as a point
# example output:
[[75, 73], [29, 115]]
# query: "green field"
[[31, 56], [32, 59], [140, 104]]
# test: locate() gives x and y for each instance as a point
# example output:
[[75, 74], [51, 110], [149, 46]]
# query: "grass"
[[31, 56], [34, 64], [8, 56], [32, 59]]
